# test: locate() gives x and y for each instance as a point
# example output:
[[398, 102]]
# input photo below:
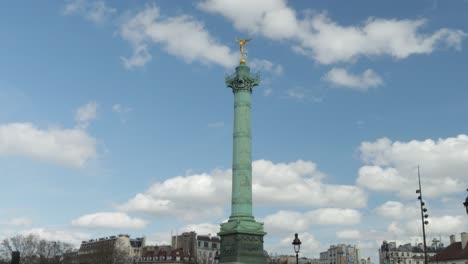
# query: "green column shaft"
[[242, 156]]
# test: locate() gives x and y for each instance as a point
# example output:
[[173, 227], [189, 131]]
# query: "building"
[[340, 254], [284, 259], [207, 248], [203, 248], [187, 241], [110, 250], [163, 254], [455, 253], [407, 253]]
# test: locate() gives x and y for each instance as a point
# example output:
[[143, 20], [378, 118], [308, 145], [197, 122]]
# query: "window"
[[214, 245], [205, 244]]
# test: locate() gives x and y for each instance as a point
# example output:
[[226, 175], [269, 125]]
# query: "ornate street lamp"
[[466, 203], [297, 246]]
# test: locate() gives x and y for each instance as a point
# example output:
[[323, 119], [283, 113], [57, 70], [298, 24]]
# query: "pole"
[[422, 218], [297, 258]]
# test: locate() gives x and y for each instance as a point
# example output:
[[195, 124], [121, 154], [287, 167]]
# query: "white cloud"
[[18, 221], [263, 66], [86, 113], [114, 220], [139, 57], [296, 93], [267, 91], [202, 229], [388, 178], [279, 222], [159, 238], [64, 235], [335, 216], [326, 41], [341, 77], [271, 18], [181, 36], [70, 147], [392, 166], [122, 111], [397, 210], [94, 11], [118, 108], [348, 234], [204, 195], [438, 226]]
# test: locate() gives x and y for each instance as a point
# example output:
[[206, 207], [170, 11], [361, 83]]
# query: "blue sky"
[[114, 118]]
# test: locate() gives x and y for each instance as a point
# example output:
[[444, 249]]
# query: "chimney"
[[452, 239], [464, 240]]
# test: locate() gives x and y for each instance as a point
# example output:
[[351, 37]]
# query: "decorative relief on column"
[[242, 80]]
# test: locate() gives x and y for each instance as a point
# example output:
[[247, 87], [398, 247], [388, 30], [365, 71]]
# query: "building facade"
[[203, 248], [340, 254], [207, 248], [455, 253], [407, 254], [119, 249]]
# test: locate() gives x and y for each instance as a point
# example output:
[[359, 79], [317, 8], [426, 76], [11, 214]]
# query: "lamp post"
[[297, 246], [423, 216], [466, 203]]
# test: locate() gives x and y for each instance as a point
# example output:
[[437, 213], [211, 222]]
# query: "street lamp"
[[297, 246], [216, 258], [466, 203], [424, 216]]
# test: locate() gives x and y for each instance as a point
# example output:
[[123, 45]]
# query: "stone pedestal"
[[242, 242]]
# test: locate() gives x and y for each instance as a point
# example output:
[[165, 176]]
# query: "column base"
[[242, 242]]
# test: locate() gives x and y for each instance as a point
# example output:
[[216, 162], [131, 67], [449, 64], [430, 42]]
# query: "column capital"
[[242, 79]]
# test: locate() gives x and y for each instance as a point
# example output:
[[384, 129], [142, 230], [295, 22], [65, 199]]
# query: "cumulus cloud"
[[182, 36], [263, 66], [70, 147], [115, 220], [318, 36], [85, 114], [122, 111], [342, 78], [94, 11], [202, 229], [392, 166], [438, 226], [18, 221], [280, 221], [270, 18], [272, 185], [348, 234], [398, 210]]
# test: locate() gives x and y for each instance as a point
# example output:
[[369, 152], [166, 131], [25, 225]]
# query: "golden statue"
[[241, 43]]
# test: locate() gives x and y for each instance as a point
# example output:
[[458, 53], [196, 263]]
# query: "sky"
[[115, 118]]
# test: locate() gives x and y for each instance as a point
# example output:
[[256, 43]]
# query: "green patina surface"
[[242, 236]]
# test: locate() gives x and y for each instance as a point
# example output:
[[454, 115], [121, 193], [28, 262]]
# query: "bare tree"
[[33, 250]]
